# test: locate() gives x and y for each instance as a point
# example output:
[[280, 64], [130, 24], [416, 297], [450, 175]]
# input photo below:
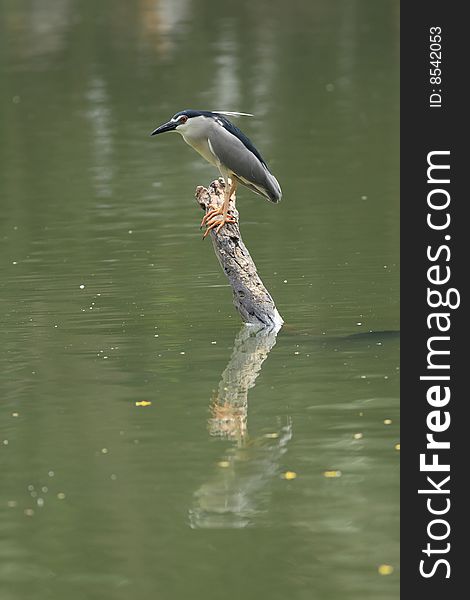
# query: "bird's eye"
[[183, 119]]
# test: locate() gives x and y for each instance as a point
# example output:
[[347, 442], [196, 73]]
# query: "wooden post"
[[250, 297]]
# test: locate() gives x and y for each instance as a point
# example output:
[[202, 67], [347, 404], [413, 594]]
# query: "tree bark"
[[250, 297]]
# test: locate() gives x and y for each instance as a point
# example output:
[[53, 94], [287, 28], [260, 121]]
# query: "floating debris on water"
[[289, 475], [61, 496], [223, 464], [143, 403], [385, 569], [82, 286], [358, 436], [104, 451], [29, 512], [397, 447], [331, 474], [387, 421], [271, 436]]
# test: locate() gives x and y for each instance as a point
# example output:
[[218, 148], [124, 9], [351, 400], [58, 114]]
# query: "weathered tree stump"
[[250, 297]]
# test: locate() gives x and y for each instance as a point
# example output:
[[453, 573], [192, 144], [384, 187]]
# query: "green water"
[[108, 297]]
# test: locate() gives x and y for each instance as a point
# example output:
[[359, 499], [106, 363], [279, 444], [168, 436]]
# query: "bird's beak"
[[170, 126]]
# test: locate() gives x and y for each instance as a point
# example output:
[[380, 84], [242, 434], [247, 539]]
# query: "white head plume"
[[228, 113]]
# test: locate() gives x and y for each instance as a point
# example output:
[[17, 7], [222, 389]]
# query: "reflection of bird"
[[227, 148]]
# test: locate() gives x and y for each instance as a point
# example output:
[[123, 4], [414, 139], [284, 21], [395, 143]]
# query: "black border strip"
[[424, 129]]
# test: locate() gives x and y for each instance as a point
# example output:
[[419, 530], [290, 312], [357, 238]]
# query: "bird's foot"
[[214, 221], [211, 213]]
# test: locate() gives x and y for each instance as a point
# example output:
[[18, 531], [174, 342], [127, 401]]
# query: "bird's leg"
[[210, 219], [228, 195], [218, 211], [213, 220]]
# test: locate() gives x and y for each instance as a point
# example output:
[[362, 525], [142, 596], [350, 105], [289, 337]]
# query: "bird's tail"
[[273, 189], [269, 189]]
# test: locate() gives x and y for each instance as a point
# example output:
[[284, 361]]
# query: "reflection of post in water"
[[230, 404], [238, 490]]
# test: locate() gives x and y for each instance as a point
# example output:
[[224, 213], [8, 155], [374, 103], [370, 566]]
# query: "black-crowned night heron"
[[226, 147]]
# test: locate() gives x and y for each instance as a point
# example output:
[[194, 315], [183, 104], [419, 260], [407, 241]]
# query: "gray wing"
[[247, 167]]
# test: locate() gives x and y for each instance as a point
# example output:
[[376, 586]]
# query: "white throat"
[[195, 134]]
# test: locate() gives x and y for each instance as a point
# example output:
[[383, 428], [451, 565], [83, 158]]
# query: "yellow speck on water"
[[29, 512], [385, 569], [61, 495], [15, 414], [271, 436], [223, 464], [289, 475], [358, 436], [143, 403], [104, 451], [397, 446], [387, 421], [332, 474]]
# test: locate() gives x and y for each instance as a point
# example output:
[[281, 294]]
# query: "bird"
[[226, 147]]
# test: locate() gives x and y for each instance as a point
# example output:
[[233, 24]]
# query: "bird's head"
[[187, 121], [179, 122]]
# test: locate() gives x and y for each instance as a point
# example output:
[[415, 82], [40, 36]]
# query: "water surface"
[[109, 298]]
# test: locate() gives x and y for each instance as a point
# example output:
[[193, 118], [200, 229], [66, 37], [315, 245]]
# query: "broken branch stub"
[[250, 297]]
